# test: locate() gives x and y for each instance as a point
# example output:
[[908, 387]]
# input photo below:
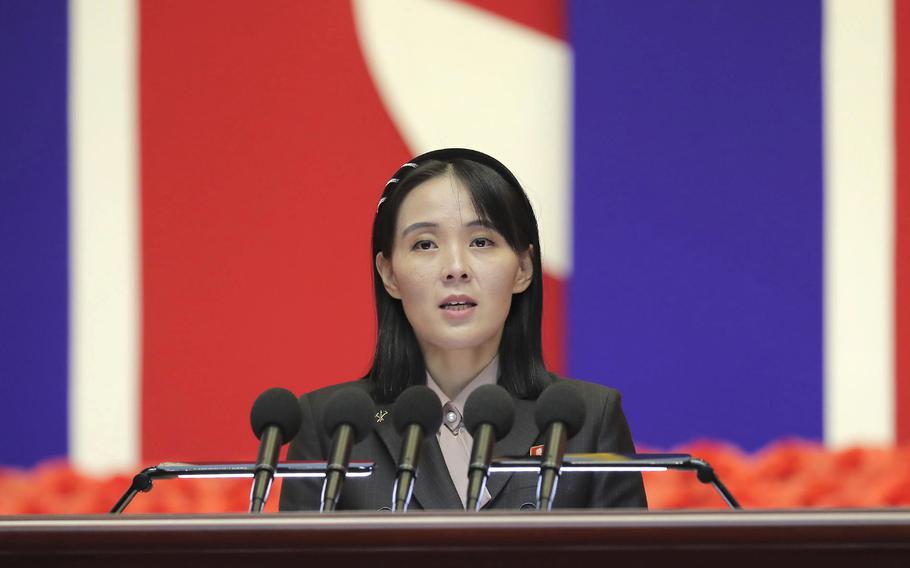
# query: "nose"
[[456, 266]]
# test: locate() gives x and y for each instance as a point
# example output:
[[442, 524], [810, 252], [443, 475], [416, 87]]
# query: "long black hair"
[[500, 202]]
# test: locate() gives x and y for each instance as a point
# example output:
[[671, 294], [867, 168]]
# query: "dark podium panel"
[[734, 538]]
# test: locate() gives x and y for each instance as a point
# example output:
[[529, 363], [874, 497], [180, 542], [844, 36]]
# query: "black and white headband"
[[395, 180], [445, 155]]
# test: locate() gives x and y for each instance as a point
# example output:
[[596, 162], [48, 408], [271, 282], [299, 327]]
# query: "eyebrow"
[[428, 225]]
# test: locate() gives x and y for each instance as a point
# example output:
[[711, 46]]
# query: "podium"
[[527, 539]]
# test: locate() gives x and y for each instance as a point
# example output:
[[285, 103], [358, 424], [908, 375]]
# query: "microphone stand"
[[336, 468], [404, 485], [706, 474], [617, 462], [143, 481], [550, 466]]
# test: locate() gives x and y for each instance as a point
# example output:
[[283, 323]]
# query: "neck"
[[453, 370]]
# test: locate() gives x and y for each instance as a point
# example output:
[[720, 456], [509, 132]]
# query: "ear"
[[525, 273], [384, 267]]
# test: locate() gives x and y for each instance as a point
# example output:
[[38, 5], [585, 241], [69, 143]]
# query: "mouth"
[[457, 304]]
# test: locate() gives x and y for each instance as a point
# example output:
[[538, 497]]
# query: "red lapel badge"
[[536, 451]]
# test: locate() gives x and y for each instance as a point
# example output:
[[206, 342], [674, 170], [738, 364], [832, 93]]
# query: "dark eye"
[[481, 242], [424, 245]]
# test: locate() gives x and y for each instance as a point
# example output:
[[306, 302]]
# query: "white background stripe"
[[452, 75], [859, 233], [104, 237]]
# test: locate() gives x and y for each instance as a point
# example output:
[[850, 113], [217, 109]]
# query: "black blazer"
[[605, 430]]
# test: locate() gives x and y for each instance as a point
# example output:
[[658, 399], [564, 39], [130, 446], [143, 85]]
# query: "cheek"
[[500, 282], [414, 282]]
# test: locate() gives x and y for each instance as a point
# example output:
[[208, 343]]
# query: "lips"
[[457, 303]]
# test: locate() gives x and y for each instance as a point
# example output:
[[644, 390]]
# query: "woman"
[[459, 298]]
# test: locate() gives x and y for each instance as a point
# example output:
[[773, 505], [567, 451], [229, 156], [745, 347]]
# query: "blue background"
[[697, 284], [34, 280]]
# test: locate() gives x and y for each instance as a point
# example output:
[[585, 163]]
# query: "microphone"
[[417, 413], [488, 415], [560, 411], [275, 419], [347, 420]]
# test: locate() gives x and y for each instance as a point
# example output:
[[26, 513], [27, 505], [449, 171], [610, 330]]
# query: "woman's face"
[[454, 276]]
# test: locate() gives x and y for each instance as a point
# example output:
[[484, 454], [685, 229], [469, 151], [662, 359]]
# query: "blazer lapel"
[[515, 444], [385, 430], [433, 488]]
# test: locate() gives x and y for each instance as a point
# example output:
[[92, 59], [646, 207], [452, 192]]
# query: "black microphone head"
[[490, 404], [560, 402], [417, 405], [278, 407], [350, 406]]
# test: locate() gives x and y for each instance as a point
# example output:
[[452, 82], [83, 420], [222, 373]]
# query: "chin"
[[457, 341]]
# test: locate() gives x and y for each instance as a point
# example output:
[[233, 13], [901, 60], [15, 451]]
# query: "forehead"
[[440, 199]]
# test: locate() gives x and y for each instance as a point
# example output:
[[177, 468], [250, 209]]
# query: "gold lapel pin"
[[380, 416]]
